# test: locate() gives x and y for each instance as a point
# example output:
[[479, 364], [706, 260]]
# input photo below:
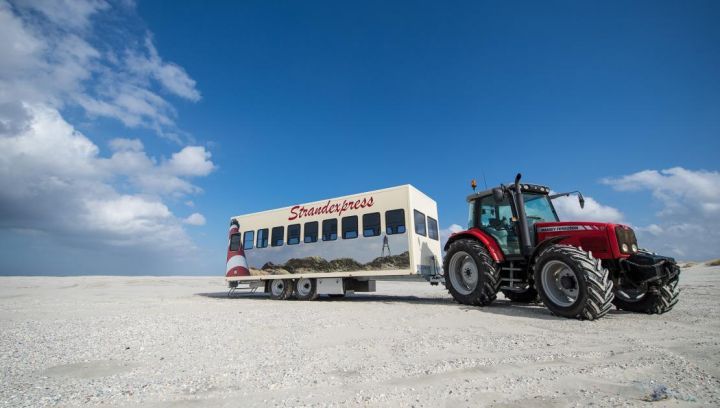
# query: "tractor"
[[515, 243]]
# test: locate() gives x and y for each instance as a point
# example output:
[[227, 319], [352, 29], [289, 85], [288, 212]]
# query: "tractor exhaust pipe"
[[526, 247]]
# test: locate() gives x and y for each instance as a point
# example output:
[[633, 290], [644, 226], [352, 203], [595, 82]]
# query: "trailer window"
[[262, 238], [371, 225], [248, 239], [420, 223], [350, 227], [277, 236], [395, 222], [234, 242], [432, 228], [293, 234], [329, 232], [311, 232]]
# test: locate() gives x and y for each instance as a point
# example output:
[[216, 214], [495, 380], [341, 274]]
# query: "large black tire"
[[529, 295], [281, 289], [571, 283], [651, 303], [471, 275], [306, 289]]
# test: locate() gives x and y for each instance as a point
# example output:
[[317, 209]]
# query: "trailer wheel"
[[572, 283], [529, 295], [471, 275], [644, 301], [306, 289], [281, 289]]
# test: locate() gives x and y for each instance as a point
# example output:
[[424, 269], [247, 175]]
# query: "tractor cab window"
[[496, 219], [539, 209]]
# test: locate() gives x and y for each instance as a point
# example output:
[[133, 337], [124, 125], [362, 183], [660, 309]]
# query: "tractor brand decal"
[[571, 228], [338, 208]]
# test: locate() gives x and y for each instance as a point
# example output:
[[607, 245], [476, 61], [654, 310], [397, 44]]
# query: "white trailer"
[[337, 245]]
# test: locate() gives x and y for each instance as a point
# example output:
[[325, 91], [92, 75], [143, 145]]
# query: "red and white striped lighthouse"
[[236, 263]]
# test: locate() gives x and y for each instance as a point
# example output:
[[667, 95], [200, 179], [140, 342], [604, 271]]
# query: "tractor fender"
[[479, 235], [544, 244]]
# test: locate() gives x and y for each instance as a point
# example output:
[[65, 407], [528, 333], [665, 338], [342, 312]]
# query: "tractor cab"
[[498, 217], [516, 243]]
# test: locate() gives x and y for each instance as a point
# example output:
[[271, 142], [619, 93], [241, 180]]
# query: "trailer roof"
[[403, 186]]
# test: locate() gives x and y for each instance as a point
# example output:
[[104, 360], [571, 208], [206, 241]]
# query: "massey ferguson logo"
[[571, 228], [330, 208]]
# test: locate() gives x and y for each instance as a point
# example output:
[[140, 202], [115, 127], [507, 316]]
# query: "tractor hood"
[[604, 240]]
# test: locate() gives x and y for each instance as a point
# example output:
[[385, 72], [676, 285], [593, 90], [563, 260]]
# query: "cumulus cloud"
[[51, 55], [171, 76], [196, 219], [689, 217], [446, 232], [54, 180], [568, 209]]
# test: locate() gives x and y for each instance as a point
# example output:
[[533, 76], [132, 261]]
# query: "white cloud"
[[51, 55], [66, 13], [171, 76], [446, 232], [689, 219], [55, 180], [195, 219], [122, 145], [190, 161], [568, 209]]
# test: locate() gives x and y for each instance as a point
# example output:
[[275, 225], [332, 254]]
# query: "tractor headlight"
[[626, 240]]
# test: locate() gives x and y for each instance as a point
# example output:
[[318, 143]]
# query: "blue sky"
[[166, 119]]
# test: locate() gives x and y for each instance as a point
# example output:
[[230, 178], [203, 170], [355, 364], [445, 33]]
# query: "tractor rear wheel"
[[529, 295], [571, 283], [644, 301], [471, 275]]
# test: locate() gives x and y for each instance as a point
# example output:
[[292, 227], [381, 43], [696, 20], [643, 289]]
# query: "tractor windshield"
[[538, 208]]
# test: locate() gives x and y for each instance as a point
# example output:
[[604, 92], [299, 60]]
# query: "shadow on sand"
[[499, 307], [356, 297]]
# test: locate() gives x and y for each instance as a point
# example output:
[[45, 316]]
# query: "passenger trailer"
[[333, 246]]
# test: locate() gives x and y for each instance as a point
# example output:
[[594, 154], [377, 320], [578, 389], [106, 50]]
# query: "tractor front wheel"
[[471, 275], [571, 283], [659, 301]]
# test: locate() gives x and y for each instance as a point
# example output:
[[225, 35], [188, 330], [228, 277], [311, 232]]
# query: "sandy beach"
[[180, 341]]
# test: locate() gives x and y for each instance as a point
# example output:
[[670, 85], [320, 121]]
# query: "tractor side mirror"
[[498, 194], [581, 200]]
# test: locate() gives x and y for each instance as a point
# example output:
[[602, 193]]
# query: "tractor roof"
[[524, 187]]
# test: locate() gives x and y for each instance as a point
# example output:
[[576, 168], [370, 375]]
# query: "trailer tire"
[[306, 289], [471, 275], [529, 295], [281, 289], [572, 283], [651, 303]]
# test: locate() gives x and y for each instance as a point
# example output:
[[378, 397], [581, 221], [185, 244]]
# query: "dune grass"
[[716, 262]]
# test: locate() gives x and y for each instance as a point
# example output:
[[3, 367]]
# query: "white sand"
[[180, 342]]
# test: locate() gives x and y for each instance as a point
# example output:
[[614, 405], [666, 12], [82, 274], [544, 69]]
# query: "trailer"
[[337, 245]]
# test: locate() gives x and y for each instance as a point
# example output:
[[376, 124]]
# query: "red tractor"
[[517, 244]]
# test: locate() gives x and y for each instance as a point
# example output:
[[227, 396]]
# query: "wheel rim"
[[304, 287], [464, 274], [560, 283], [277, 287]]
